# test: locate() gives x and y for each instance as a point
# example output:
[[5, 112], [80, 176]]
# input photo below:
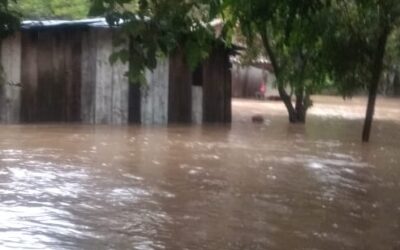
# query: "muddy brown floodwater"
[[245, 186]]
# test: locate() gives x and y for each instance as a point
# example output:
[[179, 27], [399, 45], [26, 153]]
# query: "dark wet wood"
[[134, 103], [88, 81], [180, 89], [217, 87], [51, 75], [29, 76]]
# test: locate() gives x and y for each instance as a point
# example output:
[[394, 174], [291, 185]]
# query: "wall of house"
[[66, 76], [63, 74], [51, 75], [105, 88], [180, 89], [154, 95], [246, 81], [217, 89]]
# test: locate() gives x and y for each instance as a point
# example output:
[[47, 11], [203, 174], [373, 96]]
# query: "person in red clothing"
[[261, 90]]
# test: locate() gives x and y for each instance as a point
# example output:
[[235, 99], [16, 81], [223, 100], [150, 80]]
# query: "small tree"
[[291, 32], [358, 47]]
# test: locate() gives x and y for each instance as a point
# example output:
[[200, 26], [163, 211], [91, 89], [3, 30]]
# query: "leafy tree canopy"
[[9, 19], [292, 33], [158, 27], [365, 30]]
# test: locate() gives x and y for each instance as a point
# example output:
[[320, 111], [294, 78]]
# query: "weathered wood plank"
[[46, 96], [103, 77], [180, 89], [134, 103], [227, 88], [120, 102], [154, 95], [217, 87], [73, 72], [197, 104], [29, 76], [10, 98], [88, 75], [60, 72], [120, 85]]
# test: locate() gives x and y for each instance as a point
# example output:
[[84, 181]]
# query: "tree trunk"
[[396, 84], [373, 86], [294, 113], [300, 108]]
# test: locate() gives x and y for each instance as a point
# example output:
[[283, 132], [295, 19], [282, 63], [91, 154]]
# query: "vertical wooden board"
[[147, 92], [154, 105], [160, 99], [134, 103], [88, 76], [58, 90], [180, 89], [46, 105], [73, 55], [120, 101], [135, 100], [228, 89], [216, 93], [11, 91], [103, 77], [120, 94], [29, 76], [211, 108], [197, 104]]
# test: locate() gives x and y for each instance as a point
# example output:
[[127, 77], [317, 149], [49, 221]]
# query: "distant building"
[[247, 78], [59, 71]]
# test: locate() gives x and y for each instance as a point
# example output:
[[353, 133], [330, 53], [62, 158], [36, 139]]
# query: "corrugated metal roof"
[[93, 22], [90, 22]]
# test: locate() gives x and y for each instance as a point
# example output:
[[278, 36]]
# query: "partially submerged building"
[[59, 71], [247, 78]]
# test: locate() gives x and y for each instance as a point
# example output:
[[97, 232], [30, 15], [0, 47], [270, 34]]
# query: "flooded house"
[[59, 71]]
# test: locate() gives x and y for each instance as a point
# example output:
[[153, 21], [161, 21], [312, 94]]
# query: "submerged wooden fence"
[[63, 74]]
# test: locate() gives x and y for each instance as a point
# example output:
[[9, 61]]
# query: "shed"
[[246, 78], [59, 71]]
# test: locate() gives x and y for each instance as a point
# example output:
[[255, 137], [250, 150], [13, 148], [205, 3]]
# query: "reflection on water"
[[270, 186]]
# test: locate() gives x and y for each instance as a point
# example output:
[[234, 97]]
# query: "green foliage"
[[292, 34], [52, 9], [9, 19], [155, 28], [9, 23], [352, 49]]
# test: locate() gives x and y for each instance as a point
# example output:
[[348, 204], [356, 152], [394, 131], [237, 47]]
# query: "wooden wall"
[[154, 95], [66, 76], [180, 89], [63, 74], [105, 89], [217, 89], [51, 75], [197, 104]]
